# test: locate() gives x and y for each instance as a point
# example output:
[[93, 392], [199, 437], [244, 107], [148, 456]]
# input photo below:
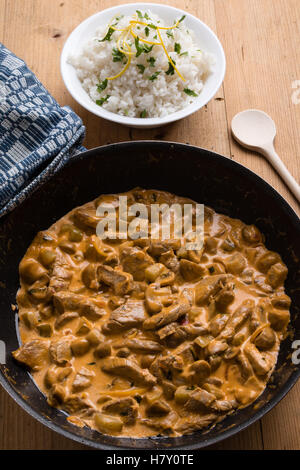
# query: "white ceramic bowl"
[[205, 39]]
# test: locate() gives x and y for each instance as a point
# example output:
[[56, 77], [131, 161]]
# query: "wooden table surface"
[[261, 39]]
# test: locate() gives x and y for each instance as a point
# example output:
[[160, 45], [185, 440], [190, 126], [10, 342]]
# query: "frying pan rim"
[[101, 150]]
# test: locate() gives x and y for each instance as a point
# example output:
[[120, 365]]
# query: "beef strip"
[[135, 261], [158, 408], [127, 408], [140, 346], [170, 260], [191, 271], [69, 301], [162, 424], [128, 315], [199, 400], [261, 363], [60, 351], [76, 404], [167, 315], [194, 422], [240, 315], [34, 354], [81, 382], [163, 367], [159, 247], [61, 274], [209, 286], [172, 334], [128, 369], [224, 405], [224, 298], [120, 282]]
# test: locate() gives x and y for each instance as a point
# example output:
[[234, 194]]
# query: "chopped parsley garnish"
[[147, 48], [154, 76], [102, 100], [139, 49], [91, 363], [147, 31], [177, 47], [108, 35], [117, 55], [182, 18], [101, 86], [141, 17], [190, 92], [170, 70], [184, 53], [151, 61], [170, 34], [143, 114], [141, 68]]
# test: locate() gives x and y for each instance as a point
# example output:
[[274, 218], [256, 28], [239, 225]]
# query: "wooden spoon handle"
[[280, 167]]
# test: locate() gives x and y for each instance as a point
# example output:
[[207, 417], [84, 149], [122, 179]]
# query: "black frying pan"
[[188, 171]]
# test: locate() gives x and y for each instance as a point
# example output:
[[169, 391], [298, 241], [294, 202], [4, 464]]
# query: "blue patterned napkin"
[[37, 136]]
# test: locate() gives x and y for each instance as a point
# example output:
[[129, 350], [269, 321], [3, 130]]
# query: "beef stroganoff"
[[143, 337]]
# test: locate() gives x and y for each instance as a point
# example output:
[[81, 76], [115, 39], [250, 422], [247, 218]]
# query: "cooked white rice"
[[133, 94]]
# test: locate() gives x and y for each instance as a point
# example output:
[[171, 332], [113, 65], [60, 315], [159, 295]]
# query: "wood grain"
[[261, 42], [2, 19]]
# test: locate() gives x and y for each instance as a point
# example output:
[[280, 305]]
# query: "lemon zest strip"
[[170, 27], [116, 29], [124, 41]]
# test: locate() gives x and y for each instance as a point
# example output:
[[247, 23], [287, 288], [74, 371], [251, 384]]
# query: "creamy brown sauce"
[[139, 338]]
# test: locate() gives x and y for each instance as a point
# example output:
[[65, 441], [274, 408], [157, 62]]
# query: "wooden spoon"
[[256, 131]]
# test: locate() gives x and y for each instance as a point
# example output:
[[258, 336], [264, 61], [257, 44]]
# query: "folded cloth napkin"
[[37, 136]]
